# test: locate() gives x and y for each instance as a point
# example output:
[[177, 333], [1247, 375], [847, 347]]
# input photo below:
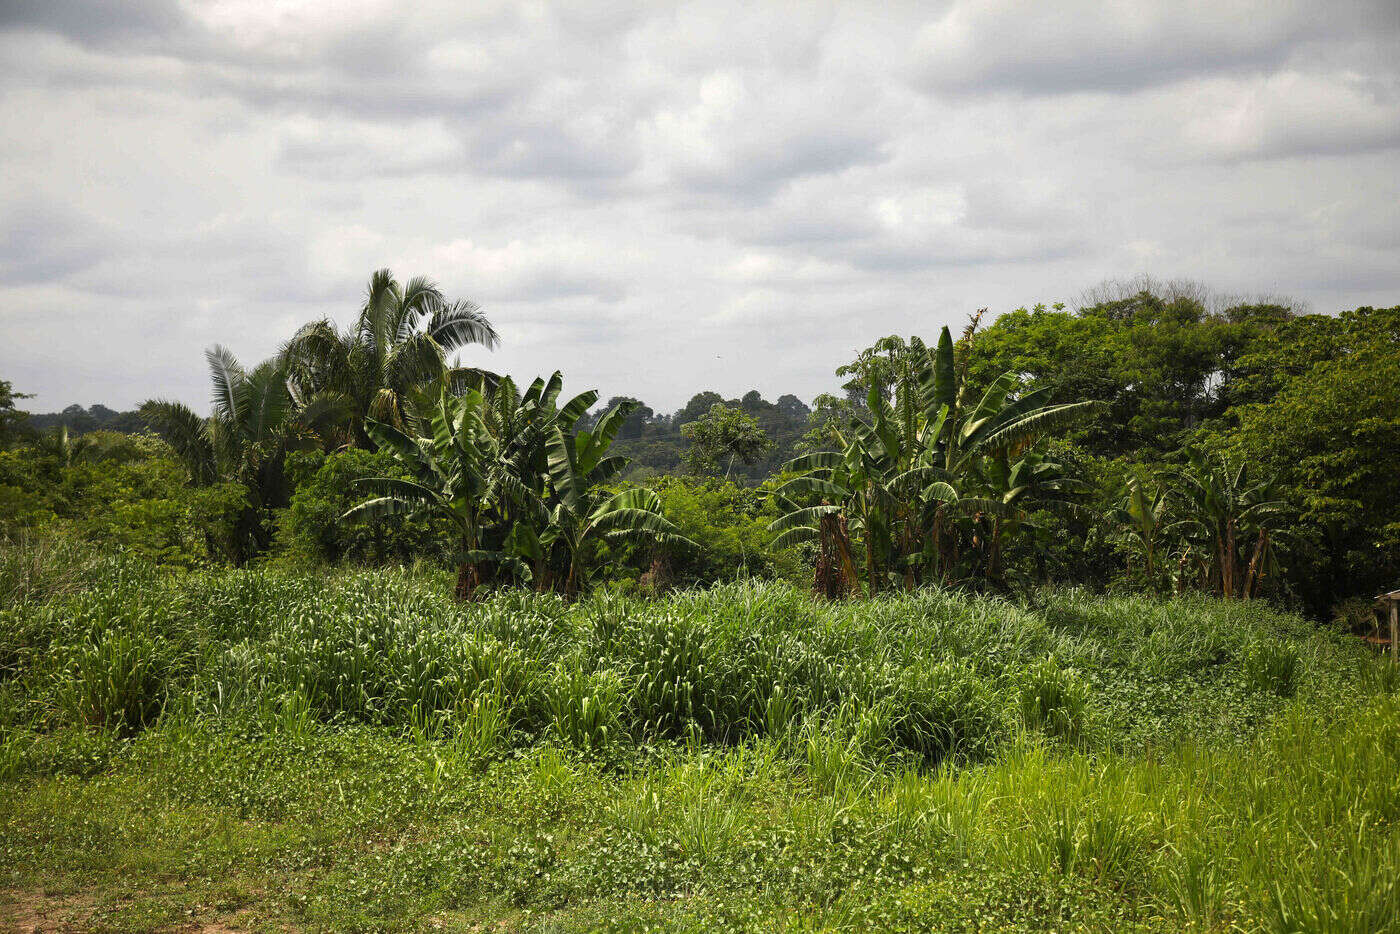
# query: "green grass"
[[356, 752]]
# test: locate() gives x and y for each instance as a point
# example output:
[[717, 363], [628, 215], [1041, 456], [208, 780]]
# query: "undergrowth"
[[358, 752]]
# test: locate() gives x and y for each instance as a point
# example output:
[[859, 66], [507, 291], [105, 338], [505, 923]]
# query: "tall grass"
[[1206, 765], [923, 677]]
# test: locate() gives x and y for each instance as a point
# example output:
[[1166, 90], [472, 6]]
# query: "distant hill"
[[655, 444], [652, 440], [80, 421]]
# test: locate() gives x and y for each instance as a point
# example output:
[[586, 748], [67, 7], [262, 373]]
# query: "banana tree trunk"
[[870, 557], [909, 582], [571, 582], [1230, 570], [468, 579], [1256, 560], [836, 574], [994, 552]]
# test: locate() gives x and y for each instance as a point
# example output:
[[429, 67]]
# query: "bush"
[[311, 531], [1054, 700], [1272, 665], [729, 523]]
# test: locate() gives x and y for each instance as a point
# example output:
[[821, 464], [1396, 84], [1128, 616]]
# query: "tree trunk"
[[658, 576], [1227, 567], [870, 556], [571, 582], [835, 573], [1251, 579], [843, 550], [828, 579], [909, 553], [468, 579], [994, 553]]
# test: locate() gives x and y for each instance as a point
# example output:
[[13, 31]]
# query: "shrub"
[[1054, 700], [1272, 665], [311, 529], [117, 679]]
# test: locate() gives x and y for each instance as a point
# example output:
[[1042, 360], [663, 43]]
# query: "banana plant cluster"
[[523, 487], [1217, 526], [1227, 526], [929, 485]]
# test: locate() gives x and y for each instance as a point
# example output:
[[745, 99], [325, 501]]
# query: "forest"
[[1059, 619]]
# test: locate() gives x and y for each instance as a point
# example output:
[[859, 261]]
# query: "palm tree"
[[245, 438], [400, 342]]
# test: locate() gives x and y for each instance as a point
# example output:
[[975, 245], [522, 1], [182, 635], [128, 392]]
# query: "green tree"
[[400, 341], [455, 473], [723, 434], [728, 523], [1331, 430], [11, 419], [244, 440]]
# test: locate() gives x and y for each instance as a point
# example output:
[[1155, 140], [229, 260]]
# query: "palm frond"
[[461, 323]]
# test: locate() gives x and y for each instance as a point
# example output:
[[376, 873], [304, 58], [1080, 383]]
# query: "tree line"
[[1146, 439]]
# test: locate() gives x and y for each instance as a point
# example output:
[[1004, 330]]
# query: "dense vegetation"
[[1188, 427], [363, 752], [1046, 627]]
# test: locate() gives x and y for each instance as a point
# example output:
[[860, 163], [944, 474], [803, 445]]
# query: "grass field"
[[250, 750]]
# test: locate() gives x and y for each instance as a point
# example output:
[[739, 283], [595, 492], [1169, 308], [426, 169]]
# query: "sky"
[[660, 199]]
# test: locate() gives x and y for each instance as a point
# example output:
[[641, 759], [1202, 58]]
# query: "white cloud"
[[663, 198]]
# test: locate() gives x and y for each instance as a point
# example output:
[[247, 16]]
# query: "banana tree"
[[1222, 510], [1142, 516], [926, 479], [456, 472], [583, 513], [836, 481]]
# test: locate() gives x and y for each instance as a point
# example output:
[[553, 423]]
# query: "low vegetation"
[[361, 752], [1050, 627]]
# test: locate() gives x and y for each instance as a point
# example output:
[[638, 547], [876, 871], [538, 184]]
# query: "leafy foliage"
[[399, 343], [723, 435], [928, 487], [523, 489]]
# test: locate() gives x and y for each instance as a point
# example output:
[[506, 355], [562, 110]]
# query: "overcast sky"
[[661, 199]]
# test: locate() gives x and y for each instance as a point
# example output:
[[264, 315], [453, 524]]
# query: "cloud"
[[93, 21], [664, 197], [42, 242], [981, 46], [1291, 114]]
